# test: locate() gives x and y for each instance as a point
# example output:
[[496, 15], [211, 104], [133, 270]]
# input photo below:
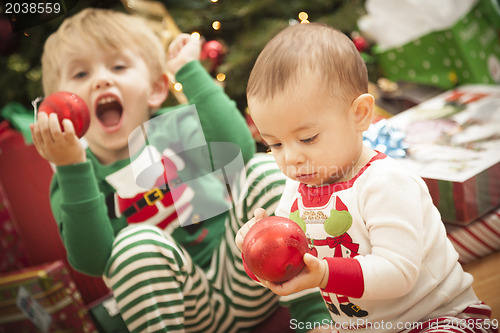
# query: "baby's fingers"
[[240, 236], [259, 214]]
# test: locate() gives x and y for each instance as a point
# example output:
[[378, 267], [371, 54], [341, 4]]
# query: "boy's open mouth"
[[109, 111]]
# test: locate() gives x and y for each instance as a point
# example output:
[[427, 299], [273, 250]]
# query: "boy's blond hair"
[[102, 29], [309, 49]]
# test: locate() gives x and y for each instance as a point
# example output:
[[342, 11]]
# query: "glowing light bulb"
[[303, 16], [221, 77], [178, 86], [196, 35], [216, 25]]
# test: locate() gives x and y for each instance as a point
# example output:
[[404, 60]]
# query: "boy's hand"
[[182, 50], [314, 274], [259, 214], [53, 144]]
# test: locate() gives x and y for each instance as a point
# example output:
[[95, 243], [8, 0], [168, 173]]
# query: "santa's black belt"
[[149, 198]]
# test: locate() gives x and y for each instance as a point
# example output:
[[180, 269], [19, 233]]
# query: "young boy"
[[119, 208], [379, 250]]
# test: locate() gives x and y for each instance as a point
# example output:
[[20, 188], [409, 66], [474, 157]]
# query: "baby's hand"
[[55, 145], [183, 49], [314, 274], [259, 214]]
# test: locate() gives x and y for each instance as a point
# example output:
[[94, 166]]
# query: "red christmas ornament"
[[213, 51], [360, 43], [68, 106], [273, 249]]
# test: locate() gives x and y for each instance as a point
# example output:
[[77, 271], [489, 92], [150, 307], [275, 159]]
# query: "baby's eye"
[[310, 140], [80, 75], [274, 145], [119, 67]]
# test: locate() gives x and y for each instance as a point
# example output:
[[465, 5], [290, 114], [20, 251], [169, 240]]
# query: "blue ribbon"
[[386, 139]]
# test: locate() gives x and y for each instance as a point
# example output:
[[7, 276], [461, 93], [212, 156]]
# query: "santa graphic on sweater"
[[161, 200], [320, 213]]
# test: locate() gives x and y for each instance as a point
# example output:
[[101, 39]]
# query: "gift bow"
[[386, 139]]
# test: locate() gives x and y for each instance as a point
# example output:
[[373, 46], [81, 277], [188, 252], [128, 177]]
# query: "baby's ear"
[[362, 109], [159, 91]]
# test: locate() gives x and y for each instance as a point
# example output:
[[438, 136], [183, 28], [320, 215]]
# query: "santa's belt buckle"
[[153, 196]]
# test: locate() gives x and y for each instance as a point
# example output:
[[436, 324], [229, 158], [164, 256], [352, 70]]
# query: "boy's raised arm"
[[220, 118]]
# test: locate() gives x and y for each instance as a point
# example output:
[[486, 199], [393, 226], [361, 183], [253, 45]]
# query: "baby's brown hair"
[[309, 49]]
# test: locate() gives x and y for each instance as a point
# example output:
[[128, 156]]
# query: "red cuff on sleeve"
[[345, 277]]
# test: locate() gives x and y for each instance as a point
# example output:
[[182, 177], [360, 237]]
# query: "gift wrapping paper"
[[467, 52], [454, 145], [476, 239], [42, 299]]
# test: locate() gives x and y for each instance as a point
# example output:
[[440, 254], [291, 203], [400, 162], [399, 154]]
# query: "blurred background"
[[421, 55], [235, 32]]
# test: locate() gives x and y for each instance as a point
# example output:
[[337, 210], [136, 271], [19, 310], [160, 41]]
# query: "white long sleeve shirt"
[[391, 263]]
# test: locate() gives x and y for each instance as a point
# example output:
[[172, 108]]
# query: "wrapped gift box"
[[467, 52], [477, 239], [42, 299], [454, 141], [24, 182], [12, 249]]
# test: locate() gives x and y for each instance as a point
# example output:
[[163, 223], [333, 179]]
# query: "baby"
[[379, 250]]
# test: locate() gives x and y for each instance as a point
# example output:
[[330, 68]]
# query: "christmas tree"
[[235, 32]]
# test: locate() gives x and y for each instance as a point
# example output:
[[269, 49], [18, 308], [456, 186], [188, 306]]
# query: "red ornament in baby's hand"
[[68, 106], [273, 249]]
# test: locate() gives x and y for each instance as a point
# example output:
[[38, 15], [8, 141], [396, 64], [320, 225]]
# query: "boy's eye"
[[310, 140], [119, 67]]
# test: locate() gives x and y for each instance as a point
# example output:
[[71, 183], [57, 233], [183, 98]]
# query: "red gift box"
[[454, 141], [12, 249], [42, 299], [25, 179]]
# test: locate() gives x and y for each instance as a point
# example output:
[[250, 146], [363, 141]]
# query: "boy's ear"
[[159, 91], [362, 109]]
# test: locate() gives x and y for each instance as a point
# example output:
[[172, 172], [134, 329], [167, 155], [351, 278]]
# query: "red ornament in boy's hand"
[[68, 106], [273, 249]]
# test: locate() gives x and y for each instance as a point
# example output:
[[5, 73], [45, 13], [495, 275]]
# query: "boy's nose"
[[102, 78], [102, 83]]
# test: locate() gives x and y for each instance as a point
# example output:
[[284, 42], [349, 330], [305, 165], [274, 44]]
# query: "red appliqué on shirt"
[[167, 201]]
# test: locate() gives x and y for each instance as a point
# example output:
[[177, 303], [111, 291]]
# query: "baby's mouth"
[[109, 111]]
